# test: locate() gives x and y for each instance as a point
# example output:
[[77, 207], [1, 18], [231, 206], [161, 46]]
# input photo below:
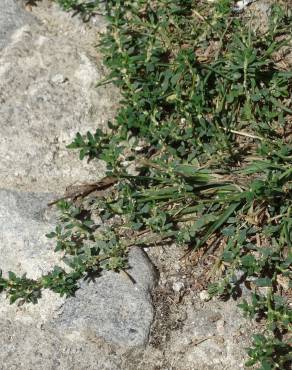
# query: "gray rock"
[[215, 330], [23, 225], [48, 73], [113, 307], [112, 311], [29, 348], [12, 17]]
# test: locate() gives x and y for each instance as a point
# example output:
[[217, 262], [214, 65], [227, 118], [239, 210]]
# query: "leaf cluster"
[[205, 122], [201, 145]]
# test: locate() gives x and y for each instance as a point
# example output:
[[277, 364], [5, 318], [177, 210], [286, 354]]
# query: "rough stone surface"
[[193, 334], [112, 310], [12, 17], [32, 348], [212, 337], [48, 71], [23, 225], [113, 307]]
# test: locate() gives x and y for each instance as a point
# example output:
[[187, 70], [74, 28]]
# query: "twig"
[[74, 192], [128, 276], [199, 341], [243, 134], [202, 18]]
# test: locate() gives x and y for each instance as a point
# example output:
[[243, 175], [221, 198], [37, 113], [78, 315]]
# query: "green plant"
[[201, 91], [205, 122], [266, 350], [85, 8]]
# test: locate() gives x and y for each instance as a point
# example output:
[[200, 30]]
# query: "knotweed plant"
[[201, 150]]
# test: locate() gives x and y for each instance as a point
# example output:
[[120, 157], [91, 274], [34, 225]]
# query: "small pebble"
[[283, 281], [58, 79], [239, 274], [240, 5], [204, 296], [177, 286], [220, 326]]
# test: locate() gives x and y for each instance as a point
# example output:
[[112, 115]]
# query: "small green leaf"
[[264, 282], [51, 235]]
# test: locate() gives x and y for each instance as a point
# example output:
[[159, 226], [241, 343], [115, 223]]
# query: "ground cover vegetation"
[[200, 153]]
